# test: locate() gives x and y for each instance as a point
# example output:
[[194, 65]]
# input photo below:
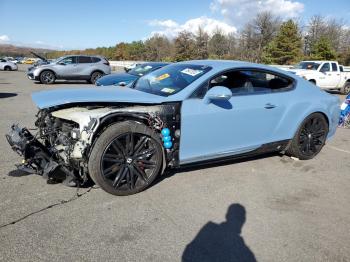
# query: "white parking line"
[[338, 149]]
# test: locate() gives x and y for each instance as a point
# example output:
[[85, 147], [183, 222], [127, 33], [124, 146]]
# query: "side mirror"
[[61, 63], [217, 93]]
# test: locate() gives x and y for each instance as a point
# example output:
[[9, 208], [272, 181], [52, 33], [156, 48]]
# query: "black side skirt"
[[278, 146]]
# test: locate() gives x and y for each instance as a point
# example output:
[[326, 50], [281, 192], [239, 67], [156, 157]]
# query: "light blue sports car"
[[185, 113]]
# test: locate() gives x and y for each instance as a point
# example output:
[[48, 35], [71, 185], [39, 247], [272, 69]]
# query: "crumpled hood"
[[115, 79], [46, 99]]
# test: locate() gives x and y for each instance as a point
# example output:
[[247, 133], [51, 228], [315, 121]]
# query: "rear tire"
[[346, 89], [47, 77], [312, 81], [94, 76], [310, 137], [126, 158]]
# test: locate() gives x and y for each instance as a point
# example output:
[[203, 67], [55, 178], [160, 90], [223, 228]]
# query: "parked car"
[[28, 61], [327, 75], [132, 66], [185, 113], [72, 67], [7, 65], [123, 79]]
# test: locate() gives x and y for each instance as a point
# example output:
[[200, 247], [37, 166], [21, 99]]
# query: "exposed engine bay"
[[60, 148]]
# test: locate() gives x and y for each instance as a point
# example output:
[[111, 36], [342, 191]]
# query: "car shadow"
[[18, 173], [7, 95], [58, 82], [221, 242], [216, 163]]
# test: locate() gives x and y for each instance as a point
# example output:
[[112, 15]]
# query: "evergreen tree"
[[285, 48], [218, 45], [322, 49]]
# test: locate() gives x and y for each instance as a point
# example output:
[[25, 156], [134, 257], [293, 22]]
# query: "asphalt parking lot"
[[271, 208]]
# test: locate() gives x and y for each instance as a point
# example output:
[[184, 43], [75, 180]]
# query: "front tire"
[[310, 137], [346, 89], [126, 158], [7, 68], [47, 77]]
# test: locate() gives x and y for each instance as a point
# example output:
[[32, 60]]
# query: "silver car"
[[7, 65], [72, 67]]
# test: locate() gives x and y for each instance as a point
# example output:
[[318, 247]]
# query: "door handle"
[[269, 106]]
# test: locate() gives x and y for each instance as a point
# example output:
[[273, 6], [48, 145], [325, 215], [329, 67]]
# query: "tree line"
[[265, 39]]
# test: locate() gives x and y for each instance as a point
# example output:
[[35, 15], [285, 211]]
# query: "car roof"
[[220, 65], [156, 63]]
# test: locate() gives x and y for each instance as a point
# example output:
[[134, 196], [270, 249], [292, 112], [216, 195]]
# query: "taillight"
[[106, 63]]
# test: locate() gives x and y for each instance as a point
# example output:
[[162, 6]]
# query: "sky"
[[79, 24]]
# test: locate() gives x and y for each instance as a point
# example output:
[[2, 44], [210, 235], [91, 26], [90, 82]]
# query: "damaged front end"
[[38, 159], [59, 150]]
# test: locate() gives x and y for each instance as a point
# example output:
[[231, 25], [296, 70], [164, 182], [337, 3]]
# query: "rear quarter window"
[[96, 59]]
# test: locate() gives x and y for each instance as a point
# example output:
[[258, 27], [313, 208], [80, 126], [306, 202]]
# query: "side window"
[[334, 67], [84, 59], [252, 82], [325, 68], [95, 59], [69, 60]]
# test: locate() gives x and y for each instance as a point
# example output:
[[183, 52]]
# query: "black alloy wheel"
[[310, 138], [128, 162]]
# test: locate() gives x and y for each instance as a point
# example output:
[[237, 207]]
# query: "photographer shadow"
[[221, 242]]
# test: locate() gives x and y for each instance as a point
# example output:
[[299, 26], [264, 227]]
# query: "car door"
[[246, 121], [85, 67], [333, 75], [66, 68], [325, 79]]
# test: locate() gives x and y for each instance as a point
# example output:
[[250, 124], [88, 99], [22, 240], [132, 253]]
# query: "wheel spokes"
[[110, 170], [120, 176], [130, 161]]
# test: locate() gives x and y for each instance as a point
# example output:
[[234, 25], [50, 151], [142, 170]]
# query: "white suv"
[[72, 67]]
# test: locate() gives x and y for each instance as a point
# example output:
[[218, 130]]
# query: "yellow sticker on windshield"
[[168, 90], [162, 77]]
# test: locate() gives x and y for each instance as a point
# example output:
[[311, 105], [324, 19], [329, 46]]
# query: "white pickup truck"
[[328, 75]]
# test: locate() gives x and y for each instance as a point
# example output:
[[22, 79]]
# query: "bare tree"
[[257, 34], [201, 44], [158, 48]]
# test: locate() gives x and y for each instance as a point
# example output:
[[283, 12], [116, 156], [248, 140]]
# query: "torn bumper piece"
[[37, 158]]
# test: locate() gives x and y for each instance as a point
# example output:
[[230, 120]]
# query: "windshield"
[[141, 70], [170, 79], [307, 65]]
